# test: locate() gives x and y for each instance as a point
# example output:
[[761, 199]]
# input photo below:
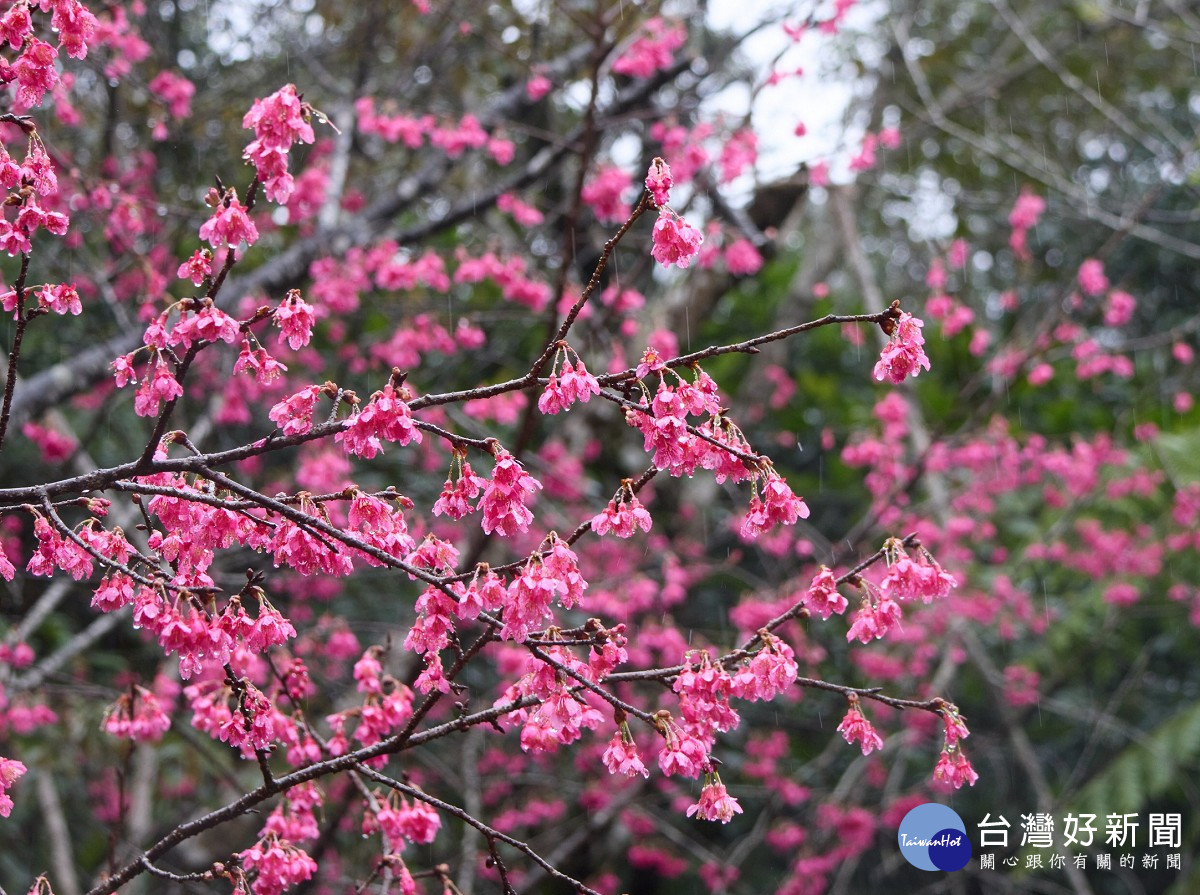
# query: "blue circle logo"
[[933, 837]]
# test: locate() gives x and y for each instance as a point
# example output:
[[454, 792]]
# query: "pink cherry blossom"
[[294, 414], [15, 25], [61, 299], [35, 73], [778, 505], [537, 87], [955, 727], [659, 182], [264, 367], [874, 620], [742, 258], [10, 771], [278, 121], [623, 519], [385, 418], [230, 225], [1091, 277], [504, 497], [715, 804], [621, 757], [603, 193], [922, 579], [855, 728], [197, 267], [683, 754], [1119, 308], [175, 90], [953, 771], [137, 716], [457, 494], [159, 387], [653, 49], [295, 319], [822, 597], [904, 354], [675, 240], [279, 865]]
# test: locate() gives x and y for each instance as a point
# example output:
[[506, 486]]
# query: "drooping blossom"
[[10, 771], [229, 225], [35, 73], [953, 770], [904, 354], [458, 492], [208, 324], [385, 418], [197, 267], [954, 725], [909, 579], [621, 756], [777, 505], [137, 716], [279, 865], [264, 367], [572, 383], [622, 517], [504, 497], [822, 597], [279, 120], [295, 319], [675, 240], [771, 671], [294, 414], [874, 620], [715, 803], [855, 728], [659, 182], [683, 754], [161, 386]]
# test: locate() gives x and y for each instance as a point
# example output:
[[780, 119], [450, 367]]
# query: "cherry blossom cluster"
[[567, 385], [717, 444], [1023, 218], [137, 715], [385, 417], [453, 138], [623, 515], [953, 768], [33, 179], [715, 802], [675, 240], [653, 49], [855, 728], [230, 224], [904, 354], [279, 121], [11, 770]]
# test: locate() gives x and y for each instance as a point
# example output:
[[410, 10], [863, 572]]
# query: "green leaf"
[[1146, 769]]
